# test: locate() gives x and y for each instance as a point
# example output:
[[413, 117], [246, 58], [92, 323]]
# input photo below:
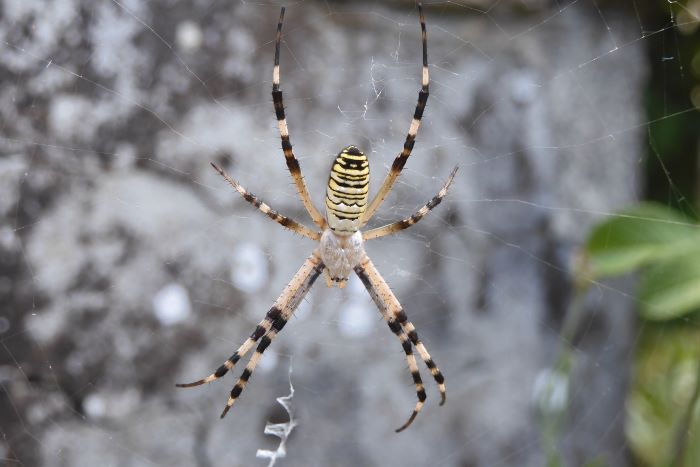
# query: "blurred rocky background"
[[128, 265]]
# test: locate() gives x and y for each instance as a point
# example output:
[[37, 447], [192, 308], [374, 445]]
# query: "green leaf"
[[663, 380], [671, 288], [646, 233]]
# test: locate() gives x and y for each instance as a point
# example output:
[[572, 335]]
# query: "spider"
[[340, 249]]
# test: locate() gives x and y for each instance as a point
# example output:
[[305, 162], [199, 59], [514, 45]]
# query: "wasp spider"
[[340, 249]]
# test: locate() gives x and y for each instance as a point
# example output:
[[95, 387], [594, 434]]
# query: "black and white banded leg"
[[413, 219], [284, 221], [289, 157], [401, 159], [312, 268], [340, 245], [385, 299], [422, 351], [268, 328], [396, 328]]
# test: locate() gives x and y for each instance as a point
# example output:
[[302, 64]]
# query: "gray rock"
[[118, 277]]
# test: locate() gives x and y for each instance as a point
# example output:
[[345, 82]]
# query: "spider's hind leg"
[[265, 341], [423, 352], [260, 330], [386, 302], [268, 328], [412, 367], [385, 299], [288, 301]]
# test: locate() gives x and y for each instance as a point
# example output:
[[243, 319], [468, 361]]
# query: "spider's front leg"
[[289, 157], [402, 157]]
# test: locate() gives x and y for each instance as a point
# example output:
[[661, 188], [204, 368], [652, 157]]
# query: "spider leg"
[[413, 219], [423, 352], [284, 221], [383, 295], [253, 363], [290, 159], [401, 159], [276, 313], [260, 330], [412, 367], [378, 290], [288, 301]]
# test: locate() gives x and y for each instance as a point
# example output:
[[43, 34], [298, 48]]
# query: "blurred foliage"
[[660, 241], [662, 420], [663, 246], [662, 404], [673, 29]]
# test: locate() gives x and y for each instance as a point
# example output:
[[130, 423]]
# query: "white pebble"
[[171, 304], [356, 319], [94, 406], [268, 362], [188, 36], [524, 88], [357, 316], [249, 270], [551, 390]]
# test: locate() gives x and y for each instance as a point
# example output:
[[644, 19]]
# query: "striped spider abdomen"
[[347, 191]]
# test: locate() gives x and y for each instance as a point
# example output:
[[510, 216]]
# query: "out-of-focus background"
[[556, 286]]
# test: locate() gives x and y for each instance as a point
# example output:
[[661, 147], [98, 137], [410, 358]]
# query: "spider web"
[[128, 265]]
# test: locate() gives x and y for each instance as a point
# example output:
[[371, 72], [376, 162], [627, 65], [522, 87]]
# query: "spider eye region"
[[341, 253], [347, 191]]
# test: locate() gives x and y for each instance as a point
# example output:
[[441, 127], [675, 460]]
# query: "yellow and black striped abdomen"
[[348, 188]]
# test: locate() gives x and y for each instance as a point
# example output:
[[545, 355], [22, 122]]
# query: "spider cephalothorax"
[[340, 249], [340, 254]]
